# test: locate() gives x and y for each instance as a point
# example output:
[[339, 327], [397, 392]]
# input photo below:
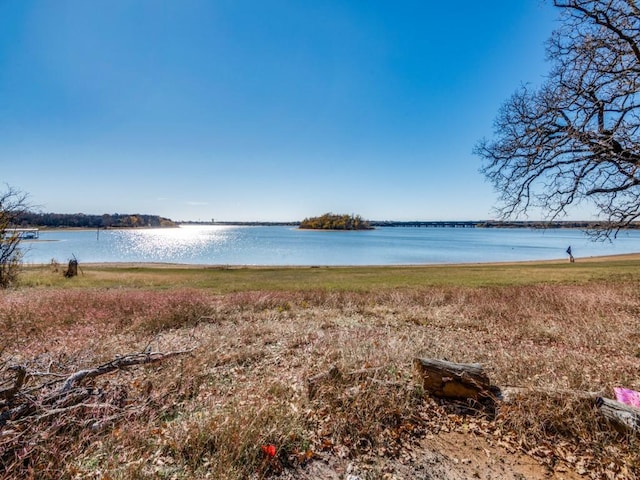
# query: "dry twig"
[[45, 401]]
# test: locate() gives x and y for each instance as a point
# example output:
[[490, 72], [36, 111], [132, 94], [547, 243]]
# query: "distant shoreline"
[[580, 225], [102, 229]]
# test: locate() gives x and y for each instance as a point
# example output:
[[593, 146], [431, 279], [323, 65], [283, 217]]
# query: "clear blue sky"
[[260, 110]]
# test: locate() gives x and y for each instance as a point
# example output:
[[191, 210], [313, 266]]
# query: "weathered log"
[[453, 380], [621, 415]]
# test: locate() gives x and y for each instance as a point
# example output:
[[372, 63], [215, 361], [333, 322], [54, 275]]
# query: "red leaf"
[[269, 450]]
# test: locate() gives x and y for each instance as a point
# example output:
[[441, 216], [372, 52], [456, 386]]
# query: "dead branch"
[[65, 404], [20, 411], [45, 401], [21, 375], [59, 411], [508, 394], [118, 364]]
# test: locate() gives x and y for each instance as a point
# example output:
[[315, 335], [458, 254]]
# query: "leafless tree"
[[13, 202], [576, 138]]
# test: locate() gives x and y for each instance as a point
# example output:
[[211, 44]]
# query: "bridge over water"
[[434, 224]]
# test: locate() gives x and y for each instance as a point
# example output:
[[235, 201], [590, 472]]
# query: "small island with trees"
[[331, 221]]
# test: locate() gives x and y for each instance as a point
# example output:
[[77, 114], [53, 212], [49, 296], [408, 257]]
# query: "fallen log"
[[462, 381], [621, 415], [445, 379]]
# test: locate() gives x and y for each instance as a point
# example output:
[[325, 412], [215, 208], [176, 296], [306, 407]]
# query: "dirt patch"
[[472, 456], [446, 456]]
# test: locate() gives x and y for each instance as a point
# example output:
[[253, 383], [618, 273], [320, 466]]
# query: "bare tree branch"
[[45, 400], [12, 204], [117, 364], [576, 138]]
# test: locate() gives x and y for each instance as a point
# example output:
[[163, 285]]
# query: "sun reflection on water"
[[168, 244]]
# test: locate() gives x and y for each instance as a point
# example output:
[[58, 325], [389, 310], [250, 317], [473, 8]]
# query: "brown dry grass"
[[207, 415]]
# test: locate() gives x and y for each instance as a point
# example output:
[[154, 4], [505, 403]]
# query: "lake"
[[286, 245]]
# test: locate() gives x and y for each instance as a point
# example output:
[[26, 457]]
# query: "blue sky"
[[260, 110]]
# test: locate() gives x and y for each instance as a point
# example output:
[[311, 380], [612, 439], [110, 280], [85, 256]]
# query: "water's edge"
[[289, 246]]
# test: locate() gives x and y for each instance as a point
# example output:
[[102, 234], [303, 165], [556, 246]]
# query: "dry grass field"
[[236, 403]]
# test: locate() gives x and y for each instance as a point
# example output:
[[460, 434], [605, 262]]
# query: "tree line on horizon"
[[82, 220]]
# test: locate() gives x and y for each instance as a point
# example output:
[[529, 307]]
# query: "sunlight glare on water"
[[186, 242]]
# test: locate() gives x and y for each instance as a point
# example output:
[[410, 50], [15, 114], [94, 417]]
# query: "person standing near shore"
[[571, 259]]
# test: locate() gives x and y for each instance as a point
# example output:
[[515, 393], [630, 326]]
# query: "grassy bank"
[[223, 279], [258, 334]]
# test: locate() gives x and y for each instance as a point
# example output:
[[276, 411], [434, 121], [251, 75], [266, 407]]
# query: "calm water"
[[226, 245]]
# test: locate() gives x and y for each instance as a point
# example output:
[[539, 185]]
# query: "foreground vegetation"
[[259, 334]]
